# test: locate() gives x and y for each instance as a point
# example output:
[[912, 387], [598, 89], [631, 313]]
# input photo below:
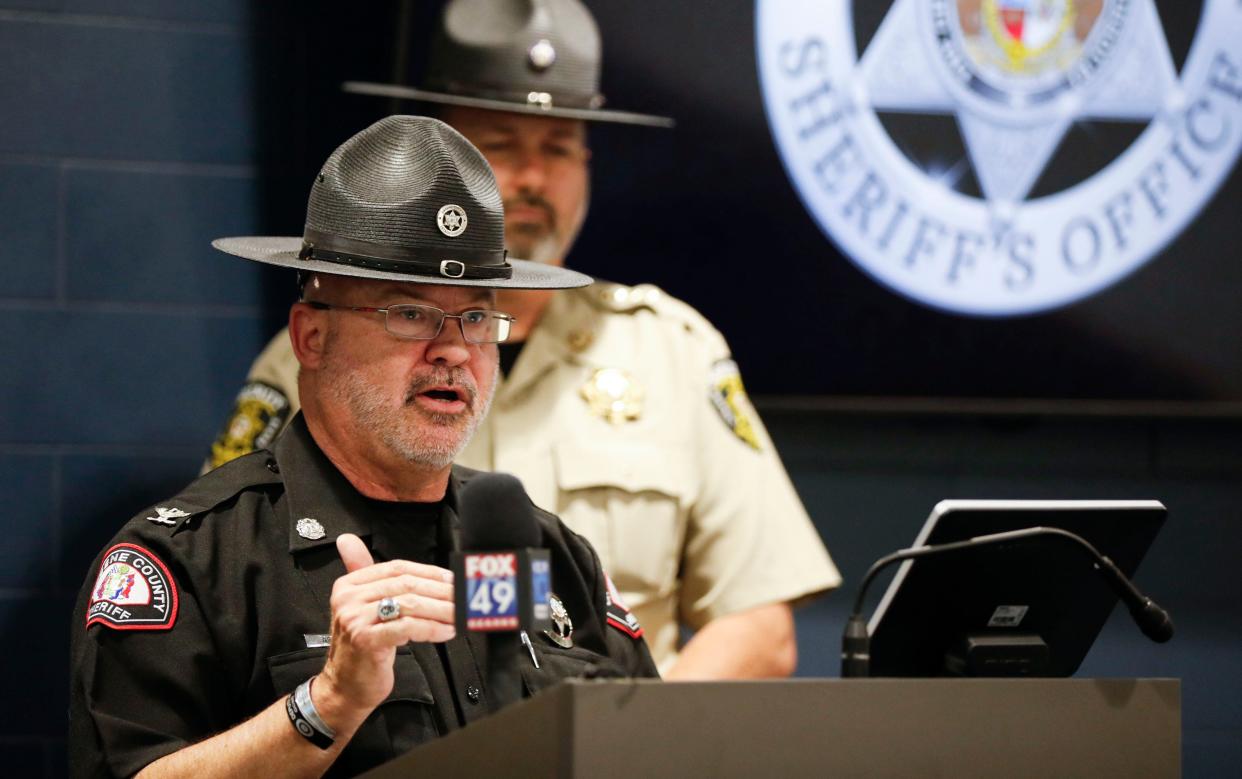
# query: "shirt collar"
[[316, 490], [568, 312]]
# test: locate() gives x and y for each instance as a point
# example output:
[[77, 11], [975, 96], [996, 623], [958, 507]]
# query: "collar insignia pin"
[[581, 340], [310, 529], [562, 632], [167, 516]]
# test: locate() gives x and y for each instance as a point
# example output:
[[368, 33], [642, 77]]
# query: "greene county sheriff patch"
[[133, 591], [259, 413], [729, 397]]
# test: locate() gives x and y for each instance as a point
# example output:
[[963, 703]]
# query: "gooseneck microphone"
[[501, 579], [856, 642]]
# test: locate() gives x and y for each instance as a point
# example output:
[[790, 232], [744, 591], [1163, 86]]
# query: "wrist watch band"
[[306, 720]]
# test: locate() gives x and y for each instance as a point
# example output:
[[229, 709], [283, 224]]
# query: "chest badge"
[[612, 394], [167, 516], [310, 529], [562, 631]]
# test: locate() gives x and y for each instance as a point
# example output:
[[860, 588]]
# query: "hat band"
[[454, 264], [535, 96]]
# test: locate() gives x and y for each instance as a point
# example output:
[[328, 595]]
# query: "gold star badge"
[[612, 394]]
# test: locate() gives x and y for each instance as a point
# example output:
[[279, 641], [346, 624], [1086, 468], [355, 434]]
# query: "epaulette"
[[621, 299], [213, 488]]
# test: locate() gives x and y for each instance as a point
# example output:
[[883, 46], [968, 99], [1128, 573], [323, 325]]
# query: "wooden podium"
[[821, 728]]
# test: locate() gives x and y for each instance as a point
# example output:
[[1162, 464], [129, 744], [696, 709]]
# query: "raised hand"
[[358, 674]]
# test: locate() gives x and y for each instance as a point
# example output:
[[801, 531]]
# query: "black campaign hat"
[[407, 199], [526, 56]]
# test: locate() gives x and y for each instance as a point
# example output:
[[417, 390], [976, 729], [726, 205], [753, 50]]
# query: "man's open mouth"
[[443, 399], [443, 394]]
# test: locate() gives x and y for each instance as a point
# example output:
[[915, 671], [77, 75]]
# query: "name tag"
[[317, 639]]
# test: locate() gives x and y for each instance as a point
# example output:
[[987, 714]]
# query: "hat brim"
[[284, 252], [444, 98]]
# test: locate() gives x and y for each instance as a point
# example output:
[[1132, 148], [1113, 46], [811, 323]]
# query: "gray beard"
[[371, 412], [545, 249]]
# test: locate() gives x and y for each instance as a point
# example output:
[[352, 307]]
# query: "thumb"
[[353, 552]]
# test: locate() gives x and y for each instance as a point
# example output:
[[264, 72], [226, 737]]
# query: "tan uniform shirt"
[[625, 416]]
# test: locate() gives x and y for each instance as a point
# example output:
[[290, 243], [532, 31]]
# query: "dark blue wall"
[[128, 140], [132, 132]]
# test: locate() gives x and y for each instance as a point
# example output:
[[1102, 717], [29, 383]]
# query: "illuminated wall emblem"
[[1016, 75]]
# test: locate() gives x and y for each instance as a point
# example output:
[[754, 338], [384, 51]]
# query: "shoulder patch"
[[133, 591], [619, 615], [728, 396], [259, 413]]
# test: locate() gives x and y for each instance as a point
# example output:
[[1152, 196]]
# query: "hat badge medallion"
[[451, 219], [542, 55]]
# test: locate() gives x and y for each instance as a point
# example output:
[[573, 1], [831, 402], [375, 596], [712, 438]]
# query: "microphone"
[[856, 642], [501, 580]]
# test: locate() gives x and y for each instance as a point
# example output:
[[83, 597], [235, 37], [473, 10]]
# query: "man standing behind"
[[621, 409], [244, 627]]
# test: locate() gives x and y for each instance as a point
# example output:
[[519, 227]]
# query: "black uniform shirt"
[[208, 608]]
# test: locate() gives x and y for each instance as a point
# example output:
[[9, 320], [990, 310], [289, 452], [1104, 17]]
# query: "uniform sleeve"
[[264, 405], [749, 540], [145, 677]]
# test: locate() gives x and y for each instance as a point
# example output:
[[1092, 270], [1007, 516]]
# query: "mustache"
[[457, 378], [531, 200]]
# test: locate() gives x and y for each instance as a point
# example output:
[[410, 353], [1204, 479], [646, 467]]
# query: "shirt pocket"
[[556, 665], [631, 502], [403, 720]]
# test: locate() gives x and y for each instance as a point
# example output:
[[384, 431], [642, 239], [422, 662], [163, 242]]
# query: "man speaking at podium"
[[290, 613], [620, 408]]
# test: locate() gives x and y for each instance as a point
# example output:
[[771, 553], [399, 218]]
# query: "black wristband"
[[304, 727]]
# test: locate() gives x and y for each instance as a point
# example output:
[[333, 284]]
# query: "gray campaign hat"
[[526, 56], [407, 199]]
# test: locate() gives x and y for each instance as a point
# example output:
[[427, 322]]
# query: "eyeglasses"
[[410, 320]]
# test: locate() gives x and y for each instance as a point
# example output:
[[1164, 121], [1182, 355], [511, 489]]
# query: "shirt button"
[[272, 466], [472, 693]]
